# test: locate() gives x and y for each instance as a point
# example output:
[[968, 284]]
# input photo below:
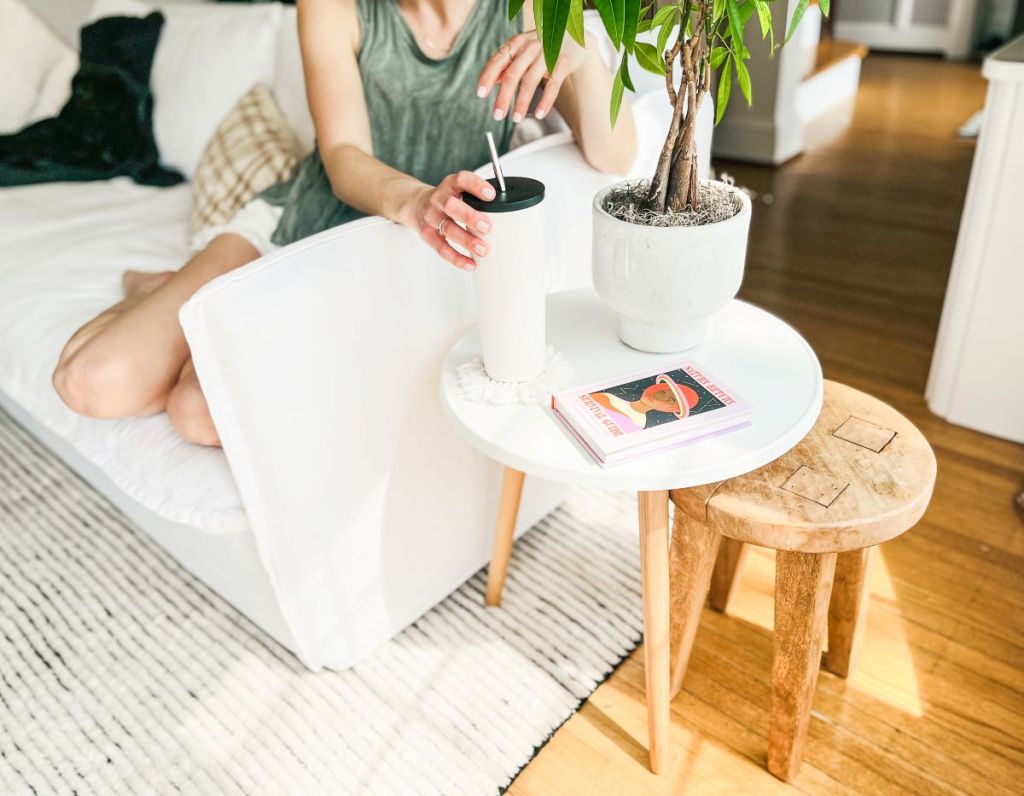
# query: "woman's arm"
[[329, 36], [580, 88]]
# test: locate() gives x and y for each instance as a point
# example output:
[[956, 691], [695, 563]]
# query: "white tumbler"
[[511, 281]]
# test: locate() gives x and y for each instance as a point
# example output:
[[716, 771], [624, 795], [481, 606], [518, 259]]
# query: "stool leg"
[[803, 583], [694, 547], [508, 511], [848, 610], [730, 553], [654, 571]]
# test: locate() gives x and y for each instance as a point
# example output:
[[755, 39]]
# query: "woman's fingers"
[[527, 89], [472, 183], [547, 99], [445, 250], [455, 208], [509, 79], [498, 62]]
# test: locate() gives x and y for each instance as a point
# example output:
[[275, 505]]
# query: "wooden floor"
[[854, 249]]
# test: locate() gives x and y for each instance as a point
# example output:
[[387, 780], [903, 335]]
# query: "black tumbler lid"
[[519, 194]]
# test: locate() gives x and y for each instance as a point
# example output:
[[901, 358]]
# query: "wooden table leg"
[[654, 571], [730, 553], [508, 512], [803, 584], [848, 610], [693, 554]]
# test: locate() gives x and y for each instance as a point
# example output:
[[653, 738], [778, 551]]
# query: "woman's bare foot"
[[143, 282]]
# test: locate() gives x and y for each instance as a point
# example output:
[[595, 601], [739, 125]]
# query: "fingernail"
[[471, 267], [540, 113], [488, 193], [481, 91], [517, 117], [484, 227], [499, 114], [480, 249]]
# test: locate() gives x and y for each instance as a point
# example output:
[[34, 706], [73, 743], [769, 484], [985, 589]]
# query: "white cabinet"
[[977, 374]]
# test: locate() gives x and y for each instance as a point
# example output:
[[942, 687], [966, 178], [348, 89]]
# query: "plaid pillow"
[[252, 150]]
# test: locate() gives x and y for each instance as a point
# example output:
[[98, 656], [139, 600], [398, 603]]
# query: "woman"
[[399, 93]]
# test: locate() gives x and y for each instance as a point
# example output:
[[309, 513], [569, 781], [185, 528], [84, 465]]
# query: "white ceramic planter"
[[665, 283]]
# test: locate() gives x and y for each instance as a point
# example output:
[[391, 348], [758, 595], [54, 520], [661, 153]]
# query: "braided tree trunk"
[[676, 184]]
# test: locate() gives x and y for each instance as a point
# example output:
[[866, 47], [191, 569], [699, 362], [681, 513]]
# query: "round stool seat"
[[862, 475]]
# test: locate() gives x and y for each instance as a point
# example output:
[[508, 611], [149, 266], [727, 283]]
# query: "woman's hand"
[[520, 63], [442, 218]]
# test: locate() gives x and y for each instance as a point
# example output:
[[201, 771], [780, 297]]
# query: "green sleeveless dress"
[[425, 117]]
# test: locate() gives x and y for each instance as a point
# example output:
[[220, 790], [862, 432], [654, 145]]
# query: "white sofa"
[[341, 507]]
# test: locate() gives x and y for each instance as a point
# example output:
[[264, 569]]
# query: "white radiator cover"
[[977, 374]]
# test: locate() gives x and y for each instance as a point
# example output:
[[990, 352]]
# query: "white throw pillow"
[[208, 57], [29, 51]]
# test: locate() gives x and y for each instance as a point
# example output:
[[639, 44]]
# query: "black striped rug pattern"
[[120, 673]]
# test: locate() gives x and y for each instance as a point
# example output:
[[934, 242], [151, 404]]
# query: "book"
[[648, 412]]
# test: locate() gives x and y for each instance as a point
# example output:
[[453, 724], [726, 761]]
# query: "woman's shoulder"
[[341, 17]]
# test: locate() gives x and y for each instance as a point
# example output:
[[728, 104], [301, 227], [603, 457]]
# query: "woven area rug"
[[120, 673]]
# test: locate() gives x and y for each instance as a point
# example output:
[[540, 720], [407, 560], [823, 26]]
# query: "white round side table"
[[759, 357]]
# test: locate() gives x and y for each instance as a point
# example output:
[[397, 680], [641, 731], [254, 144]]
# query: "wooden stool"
[[863, 475]]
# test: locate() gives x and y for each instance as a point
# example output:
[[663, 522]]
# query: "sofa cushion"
[[209, 56], [29, 53], [252, 150]]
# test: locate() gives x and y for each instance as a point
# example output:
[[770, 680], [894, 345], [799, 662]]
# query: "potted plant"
[[669, 252]]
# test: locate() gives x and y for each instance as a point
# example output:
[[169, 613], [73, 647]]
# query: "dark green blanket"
[[106, 128]]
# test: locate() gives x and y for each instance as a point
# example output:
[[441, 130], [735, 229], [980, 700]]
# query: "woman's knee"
[[95, 383], [190, 414]]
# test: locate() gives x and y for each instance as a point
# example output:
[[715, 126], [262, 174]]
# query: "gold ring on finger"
[[440, 227]]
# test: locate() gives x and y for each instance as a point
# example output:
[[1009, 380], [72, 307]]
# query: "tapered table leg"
[[692, 558], [508, 512], [848, 610], [654, 570], [803, 583]]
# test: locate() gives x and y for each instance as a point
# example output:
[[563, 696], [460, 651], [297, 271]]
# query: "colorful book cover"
[[649, 411]]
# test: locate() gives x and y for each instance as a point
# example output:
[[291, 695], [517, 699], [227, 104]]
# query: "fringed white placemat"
[[120, 673]]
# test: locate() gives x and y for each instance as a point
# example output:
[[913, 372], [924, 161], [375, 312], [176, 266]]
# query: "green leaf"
[[724, 88], [664, 13], [666, 33], [627, 81], [744, 77], [718, 56], [631, 8], [648, 58], [824, 6], [616, 96], [612, 12], [575, 24], [735, 24], [514, 7], [798, 14], [556, 18], [764, 16], [538, 19], [667, 26]]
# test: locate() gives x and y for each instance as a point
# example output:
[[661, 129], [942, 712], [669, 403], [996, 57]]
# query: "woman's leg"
[[188, 410], [126, 361]]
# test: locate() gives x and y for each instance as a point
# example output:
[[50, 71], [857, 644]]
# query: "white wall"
[[66, 16]]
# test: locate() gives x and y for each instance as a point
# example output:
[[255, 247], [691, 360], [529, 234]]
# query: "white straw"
[[494, 162]]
